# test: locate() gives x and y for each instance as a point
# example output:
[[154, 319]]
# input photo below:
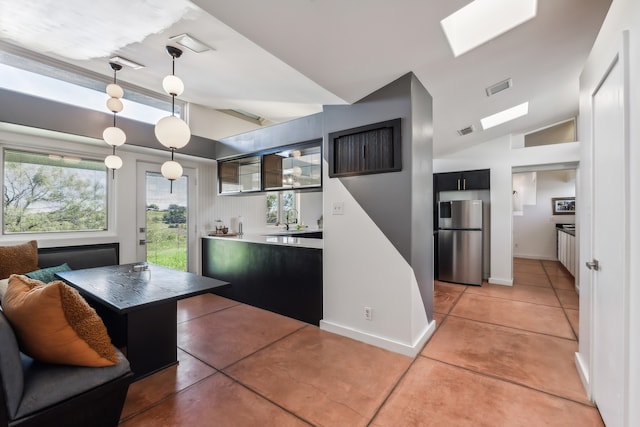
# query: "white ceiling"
[[281, 59]]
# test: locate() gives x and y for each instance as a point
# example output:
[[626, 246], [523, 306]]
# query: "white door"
[[166, 218], [609, 240]]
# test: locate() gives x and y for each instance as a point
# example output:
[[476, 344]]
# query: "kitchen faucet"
[[286, 218]]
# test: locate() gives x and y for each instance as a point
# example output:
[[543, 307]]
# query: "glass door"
[[166, 224]]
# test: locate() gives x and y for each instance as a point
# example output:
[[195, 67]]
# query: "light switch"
[[338, 208]]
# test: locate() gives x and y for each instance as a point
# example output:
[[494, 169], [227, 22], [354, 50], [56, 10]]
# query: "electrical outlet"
[[338, 208], [368, 312]]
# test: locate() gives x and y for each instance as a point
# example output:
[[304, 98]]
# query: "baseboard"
[[583, 371], [498, 281], [536, 257], [387, 344]]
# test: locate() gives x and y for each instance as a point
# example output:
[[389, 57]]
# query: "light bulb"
[[172, 132], [115, 91], [114, 104], [297, 171], [173, 85], [114, 136], [113, 162], [171, 170]]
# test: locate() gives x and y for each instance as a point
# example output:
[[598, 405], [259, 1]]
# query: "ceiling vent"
[[191, 43], [466, 131], [498, 87]]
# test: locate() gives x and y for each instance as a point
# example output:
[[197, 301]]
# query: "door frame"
[[619, 54], [193, 263]]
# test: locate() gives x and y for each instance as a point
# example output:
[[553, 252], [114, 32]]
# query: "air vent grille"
[[466, 131], [498, 87]]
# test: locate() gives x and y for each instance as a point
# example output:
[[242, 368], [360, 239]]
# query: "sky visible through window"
[[158, 191], [29, 83]]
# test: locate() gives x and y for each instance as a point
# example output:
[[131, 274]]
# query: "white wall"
[[534, 233], [310, 207], [390, 289], [498, 156], [252, 207], [623, 15]]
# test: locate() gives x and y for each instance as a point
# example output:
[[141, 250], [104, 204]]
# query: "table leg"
[[151, 338]]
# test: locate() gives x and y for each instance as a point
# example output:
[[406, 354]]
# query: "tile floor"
[[501, 356]]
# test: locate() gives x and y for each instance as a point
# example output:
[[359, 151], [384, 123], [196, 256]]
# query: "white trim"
[[536, 257], [583, 371], [499, 281], [387, 344]]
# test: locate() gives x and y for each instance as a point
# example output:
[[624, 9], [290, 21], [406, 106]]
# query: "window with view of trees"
[[279, 205], [52, 193]]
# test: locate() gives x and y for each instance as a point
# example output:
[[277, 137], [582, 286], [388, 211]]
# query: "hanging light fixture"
[[172, 131], [113, 135]]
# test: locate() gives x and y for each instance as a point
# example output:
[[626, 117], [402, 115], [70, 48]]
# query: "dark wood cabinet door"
[[457, 181], [347, 154], [450, 181], [272, 171], [228, 175], [377, 150], [475, 180], [368, 149]]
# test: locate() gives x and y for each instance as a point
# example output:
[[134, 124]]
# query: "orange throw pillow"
[[18, 259], [54, 324]]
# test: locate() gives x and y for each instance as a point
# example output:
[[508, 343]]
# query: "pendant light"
[[113, 135], [172, 131]]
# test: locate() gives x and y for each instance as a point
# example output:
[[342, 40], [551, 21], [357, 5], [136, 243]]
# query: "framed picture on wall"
[[563, 205]]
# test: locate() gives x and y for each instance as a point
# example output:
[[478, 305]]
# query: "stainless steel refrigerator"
[[460, 241]]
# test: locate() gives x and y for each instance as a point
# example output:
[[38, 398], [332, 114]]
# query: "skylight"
[[505, 116], [34, 84], [482, 20]]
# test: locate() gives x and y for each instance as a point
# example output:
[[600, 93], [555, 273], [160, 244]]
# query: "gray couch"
[[40, 394]]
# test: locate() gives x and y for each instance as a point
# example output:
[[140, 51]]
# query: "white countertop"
[[282, 240]]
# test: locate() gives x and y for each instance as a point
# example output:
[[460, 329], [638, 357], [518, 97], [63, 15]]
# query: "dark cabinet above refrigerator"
[[464, 180]]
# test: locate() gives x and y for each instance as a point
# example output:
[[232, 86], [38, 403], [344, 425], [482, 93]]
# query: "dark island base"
[[283, 279]]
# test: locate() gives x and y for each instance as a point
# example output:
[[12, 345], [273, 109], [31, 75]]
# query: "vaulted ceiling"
[[282, 59]]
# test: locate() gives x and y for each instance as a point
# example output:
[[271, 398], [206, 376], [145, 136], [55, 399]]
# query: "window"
[[52, 193], [83, 92], [281, 207]]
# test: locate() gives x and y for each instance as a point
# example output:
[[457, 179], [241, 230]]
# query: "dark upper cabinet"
[[449, 181], [295, 167], [368, 149], [476, 180], [239, 175], [298, 167], [466, 180]]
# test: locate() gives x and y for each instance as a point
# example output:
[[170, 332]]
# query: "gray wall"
[[422, 191], [41, 113], [400, 203], [292, 132], [386, 197]]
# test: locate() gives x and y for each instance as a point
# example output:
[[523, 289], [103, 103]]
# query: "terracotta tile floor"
[[500, 356]]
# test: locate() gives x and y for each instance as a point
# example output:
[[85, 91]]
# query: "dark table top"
[[123, 290]]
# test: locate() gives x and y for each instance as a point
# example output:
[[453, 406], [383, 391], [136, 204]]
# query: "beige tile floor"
[[500, 356]]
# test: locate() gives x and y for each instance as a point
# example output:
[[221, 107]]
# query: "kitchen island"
[[280, 273]]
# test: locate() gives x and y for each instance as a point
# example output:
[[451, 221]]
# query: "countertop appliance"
[[460, 241]]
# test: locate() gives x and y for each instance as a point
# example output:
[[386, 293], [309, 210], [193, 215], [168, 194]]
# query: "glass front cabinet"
[[290, 168], [239, 175]]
